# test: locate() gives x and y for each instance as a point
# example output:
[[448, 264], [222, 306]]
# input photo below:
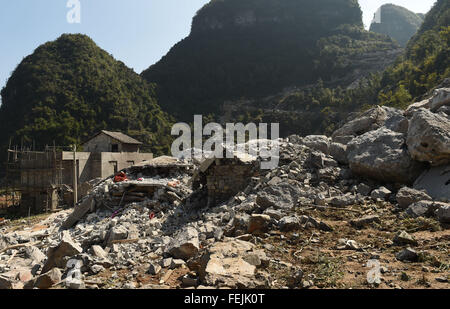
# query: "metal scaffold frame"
[[31, 174]]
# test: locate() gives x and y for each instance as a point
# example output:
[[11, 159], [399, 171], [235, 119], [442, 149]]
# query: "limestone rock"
[[373, 119], [435, 182], [407, 196], [317, 142], [381, 193], [421, 209], [443, 213], [339, 152], [382, 155], [288, 224], [429, 137], [440, 98], [403, 238], [281, 196], [361, 222]]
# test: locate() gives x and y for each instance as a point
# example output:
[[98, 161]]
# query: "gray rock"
[[361, 222], [339, 152], [407, 254], [281, 196], [444, 111], [421, 209], [435, 182], [382, 155], [441, 97], [344, 140], [342, 200], [364, 189], [407, 196], [403, 238], [381, 193], [429, 137], [317, 142], [185, 244], [288, 224], [274, 213], [443, 213], [373, 119]]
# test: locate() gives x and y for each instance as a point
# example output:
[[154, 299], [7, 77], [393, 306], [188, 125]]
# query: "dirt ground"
[[316, 253]]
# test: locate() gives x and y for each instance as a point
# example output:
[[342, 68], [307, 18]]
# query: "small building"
[[41, 177], [107, 141], [224, 177]]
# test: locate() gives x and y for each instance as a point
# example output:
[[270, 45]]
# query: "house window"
[[114, 148], [130, 163]]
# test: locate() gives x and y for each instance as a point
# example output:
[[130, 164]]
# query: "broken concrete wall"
[[225, 178]]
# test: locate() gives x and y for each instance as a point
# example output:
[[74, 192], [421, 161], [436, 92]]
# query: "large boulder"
[[422, 209], [281, 196], [436, 182], [185, 244], [373, 119], [443, 213], [382, 155], [407, 196], [441, 97], [339, 152], [317, 142], [232, 264], [429, 137]]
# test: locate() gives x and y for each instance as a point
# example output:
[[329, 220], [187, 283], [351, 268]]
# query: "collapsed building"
[[46, 179]]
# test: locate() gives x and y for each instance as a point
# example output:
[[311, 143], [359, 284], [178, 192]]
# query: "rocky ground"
[[366, 208]]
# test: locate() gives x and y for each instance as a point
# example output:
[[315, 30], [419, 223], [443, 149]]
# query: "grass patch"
[[328, 271], [419, 224]]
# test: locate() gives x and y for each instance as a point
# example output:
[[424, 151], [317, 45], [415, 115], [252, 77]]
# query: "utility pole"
[[75, 176]]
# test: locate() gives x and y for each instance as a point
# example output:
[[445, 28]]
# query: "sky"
[[137, 32]]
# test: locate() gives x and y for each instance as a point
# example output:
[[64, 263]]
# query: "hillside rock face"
[[397, 22], [255, 48]]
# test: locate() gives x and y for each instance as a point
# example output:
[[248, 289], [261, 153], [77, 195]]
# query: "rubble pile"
[[148, 227]]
